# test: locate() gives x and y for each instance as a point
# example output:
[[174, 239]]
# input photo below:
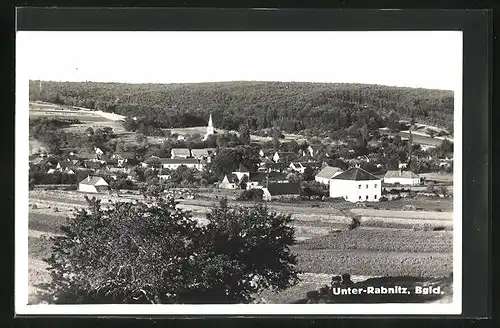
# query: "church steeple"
[[210, 128]]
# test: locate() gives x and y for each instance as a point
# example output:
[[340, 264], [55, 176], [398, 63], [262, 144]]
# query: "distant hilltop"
[[293, 106]]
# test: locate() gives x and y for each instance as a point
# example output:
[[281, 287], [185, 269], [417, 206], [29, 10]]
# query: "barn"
[[281, 190], [93, 184], [407, 178]]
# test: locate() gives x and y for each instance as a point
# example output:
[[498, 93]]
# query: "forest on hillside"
[[290, 106]]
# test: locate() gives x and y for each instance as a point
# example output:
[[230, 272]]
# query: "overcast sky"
[[427, 59]]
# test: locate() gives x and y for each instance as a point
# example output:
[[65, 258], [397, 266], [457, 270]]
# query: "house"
[[85, 154], [199, 153], [402, 165], [297, 167], [356, 185], [280, 190], [326, 174], [266, 153], [175, 163], [241, 172], [311, 150], [284, 156], [92, 165], [127, 158], [152, 161], [261, 179], [163, 177], [93, 184], [229, 182], [312, 165], [98, 151], [402, 177], [269, 166], [180, 153]]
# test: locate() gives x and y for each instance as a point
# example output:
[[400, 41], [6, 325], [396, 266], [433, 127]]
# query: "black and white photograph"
[[238, 172]]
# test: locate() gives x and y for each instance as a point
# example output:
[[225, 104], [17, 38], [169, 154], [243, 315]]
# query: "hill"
[[292, 106]]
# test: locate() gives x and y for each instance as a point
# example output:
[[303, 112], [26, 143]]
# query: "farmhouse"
[[93, 184], [174, 163], [356, 185], [124, 158], [180, 153], [326, 174], [297, 167], [266, 153], [402, 178], [270, 166], [241, 172], [281, 190], [85, 154], [200, 153], [229, 182], [258, 180]]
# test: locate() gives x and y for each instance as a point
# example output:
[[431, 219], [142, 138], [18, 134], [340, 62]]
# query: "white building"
[[297, 167], [241, 172], [180, 153], [229, 182], [175, 163], [210, 129], [407, 178], [326, 174], [356, 185], [93, 184], [402, 165]]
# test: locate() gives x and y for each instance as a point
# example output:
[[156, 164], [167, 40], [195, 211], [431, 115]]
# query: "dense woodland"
[[291, 107]]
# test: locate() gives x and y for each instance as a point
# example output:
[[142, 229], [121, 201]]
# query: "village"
[[275, 175]]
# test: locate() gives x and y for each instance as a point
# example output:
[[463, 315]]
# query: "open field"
[[440, 177], [384, 240], [420, 138], [360, 262], [89, 118], [387, 242]]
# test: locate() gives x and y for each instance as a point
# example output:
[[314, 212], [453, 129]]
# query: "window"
[[374, 196], [346, 197], [366, 197], [359, 197], [359, 186], [375, 185], [366, 186]]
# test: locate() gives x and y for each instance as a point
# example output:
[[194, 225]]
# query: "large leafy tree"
[[157, 253]]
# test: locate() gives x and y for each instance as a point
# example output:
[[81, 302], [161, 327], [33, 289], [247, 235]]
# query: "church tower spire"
[[210, 121], [210, 128]]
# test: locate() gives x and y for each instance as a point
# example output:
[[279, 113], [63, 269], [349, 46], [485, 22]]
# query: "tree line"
[[292, 107]]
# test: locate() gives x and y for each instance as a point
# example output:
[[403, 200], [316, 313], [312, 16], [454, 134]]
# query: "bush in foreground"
[[140, 253]]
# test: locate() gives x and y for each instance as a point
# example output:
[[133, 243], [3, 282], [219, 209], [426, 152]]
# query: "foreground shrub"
[[251, 195], [355, 222], [140, 253]]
